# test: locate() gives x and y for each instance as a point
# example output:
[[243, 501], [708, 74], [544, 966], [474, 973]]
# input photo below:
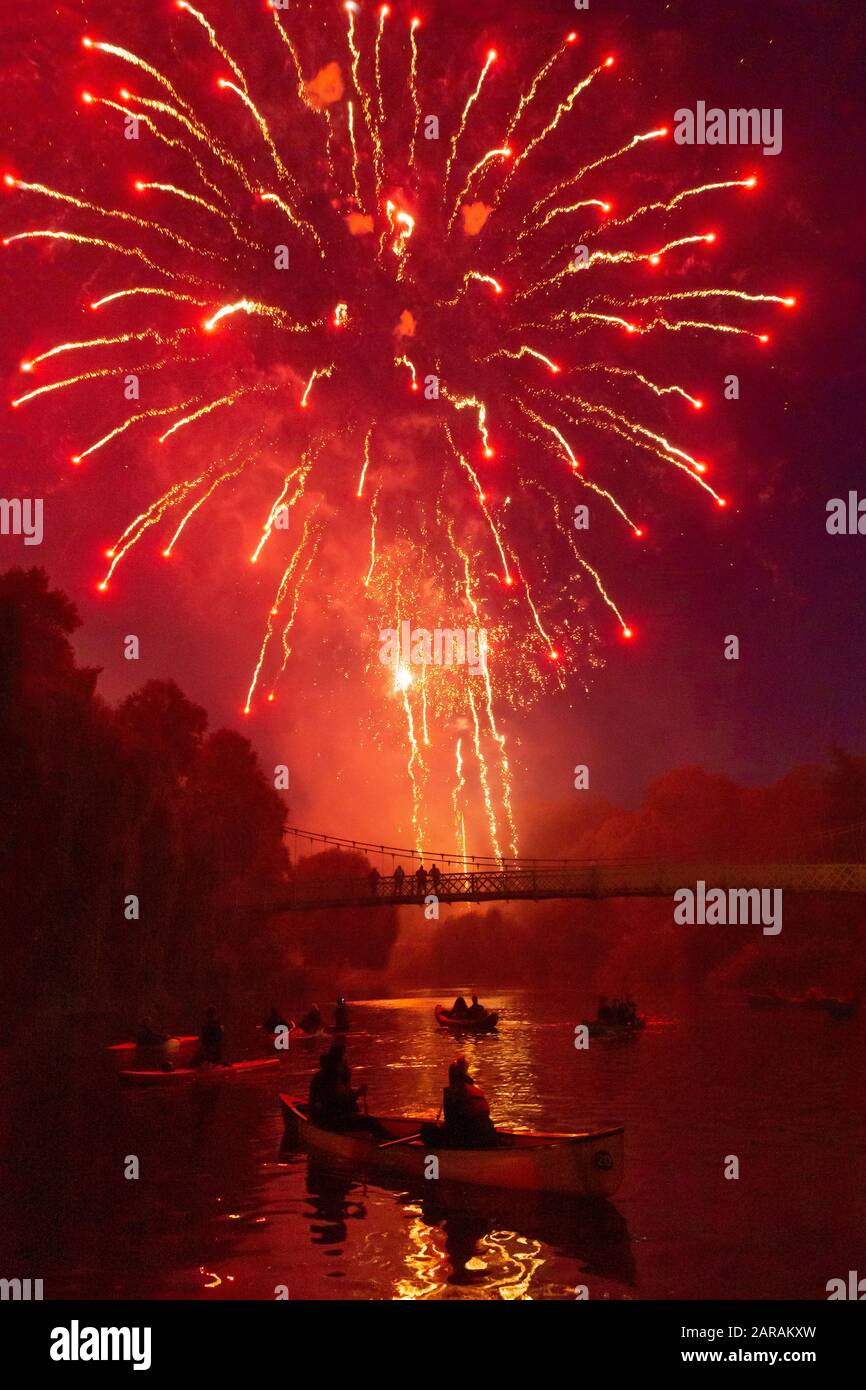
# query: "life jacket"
[[466, 1102]]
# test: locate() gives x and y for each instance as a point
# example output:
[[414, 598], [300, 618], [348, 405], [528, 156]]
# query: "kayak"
[[615, 1030], [170, 1043], [181, 1074], [586, 1164], [445, 1019]]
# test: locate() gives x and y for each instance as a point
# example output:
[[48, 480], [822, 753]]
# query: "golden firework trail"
[[145, 333], [503, 153], [413, 86], [366, 463], [86, 206], [160, 135], [532, 91], [471, 100], [575, 466], [302, 472], [562, 110], [315, 375], [208, 409], [199, 502], [644, 381], [52, 235], [572, 179], [150, 290], [459, 786], [373, 518], [153, 414]]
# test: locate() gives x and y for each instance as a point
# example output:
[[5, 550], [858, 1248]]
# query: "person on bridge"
[[399, 875], [374, 882], [475, 1010], [341, 1016], [435, 877], [421, 879], [467, 1115], [333, 1101]]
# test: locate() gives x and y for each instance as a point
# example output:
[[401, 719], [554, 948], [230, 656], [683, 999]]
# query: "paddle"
[[404, 1139]]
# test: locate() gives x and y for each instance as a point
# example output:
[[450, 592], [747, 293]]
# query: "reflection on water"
[[220, 1212]]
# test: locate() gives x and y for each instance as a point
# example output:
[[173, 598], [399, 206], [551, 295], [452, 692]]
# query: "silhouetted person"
[[374, 882], [435, 877], [459, 1008], [476, 1010], [210, 1049], [274, 1021], [467, 1115], [147, 1036], [399, 875], [312, 1020], [333, 1101], [421, 879], [341, 1016]]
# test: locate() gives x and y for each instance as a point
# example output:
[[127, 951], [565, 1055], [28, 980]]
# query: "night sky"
[[764, 569]]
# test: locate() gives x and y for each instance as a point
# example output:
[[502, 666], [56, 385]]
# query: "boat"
[[199, 1074], [461, 1024], [842, 1008], [171, 1043], [585, 1164]]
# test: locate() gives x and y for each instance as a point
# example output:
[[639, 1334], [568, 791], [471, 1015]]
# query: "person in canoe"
[[467, 1115], [274, 1021], [459, 1009], [341, 1016], [312, 1020], [210, 1050], [333, 1100], [475, 1009], [147, 1035]]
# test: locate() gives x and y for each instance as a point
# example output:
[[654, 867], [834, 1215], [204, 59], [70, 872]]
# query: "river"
[[218, 1212]]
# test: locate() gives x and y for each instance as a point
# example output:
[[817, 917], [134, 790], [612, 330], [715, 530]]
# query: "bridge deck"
[[644, 879]]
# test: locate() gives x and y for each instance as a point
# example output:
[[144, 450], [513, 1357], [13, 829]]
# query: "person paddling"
[[467, 1114], [210, 1050], [274, 1021], [312, 1020], [147, 1036], [333, 1101]]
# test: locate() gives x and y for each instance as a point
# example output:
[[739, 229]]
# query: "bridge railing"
[[601, 879]]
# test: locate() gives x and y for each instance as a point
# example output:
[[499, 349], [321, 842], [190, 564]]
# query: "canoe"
[[586, 1164], [466, 1025], [615, 1030], [202, 1074], [170, 1043]]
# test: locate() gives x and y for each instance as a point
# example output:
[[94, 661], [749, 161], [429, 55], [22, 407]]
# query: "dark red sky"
[[765, 570]]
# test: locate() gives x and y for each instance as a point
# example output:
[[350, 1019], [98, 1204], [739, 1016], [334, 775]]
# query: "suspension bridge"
[[830, 864]]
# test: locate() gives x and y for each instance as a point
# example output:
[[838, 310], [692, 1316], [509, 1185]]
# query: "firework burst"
[[433, 321]]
